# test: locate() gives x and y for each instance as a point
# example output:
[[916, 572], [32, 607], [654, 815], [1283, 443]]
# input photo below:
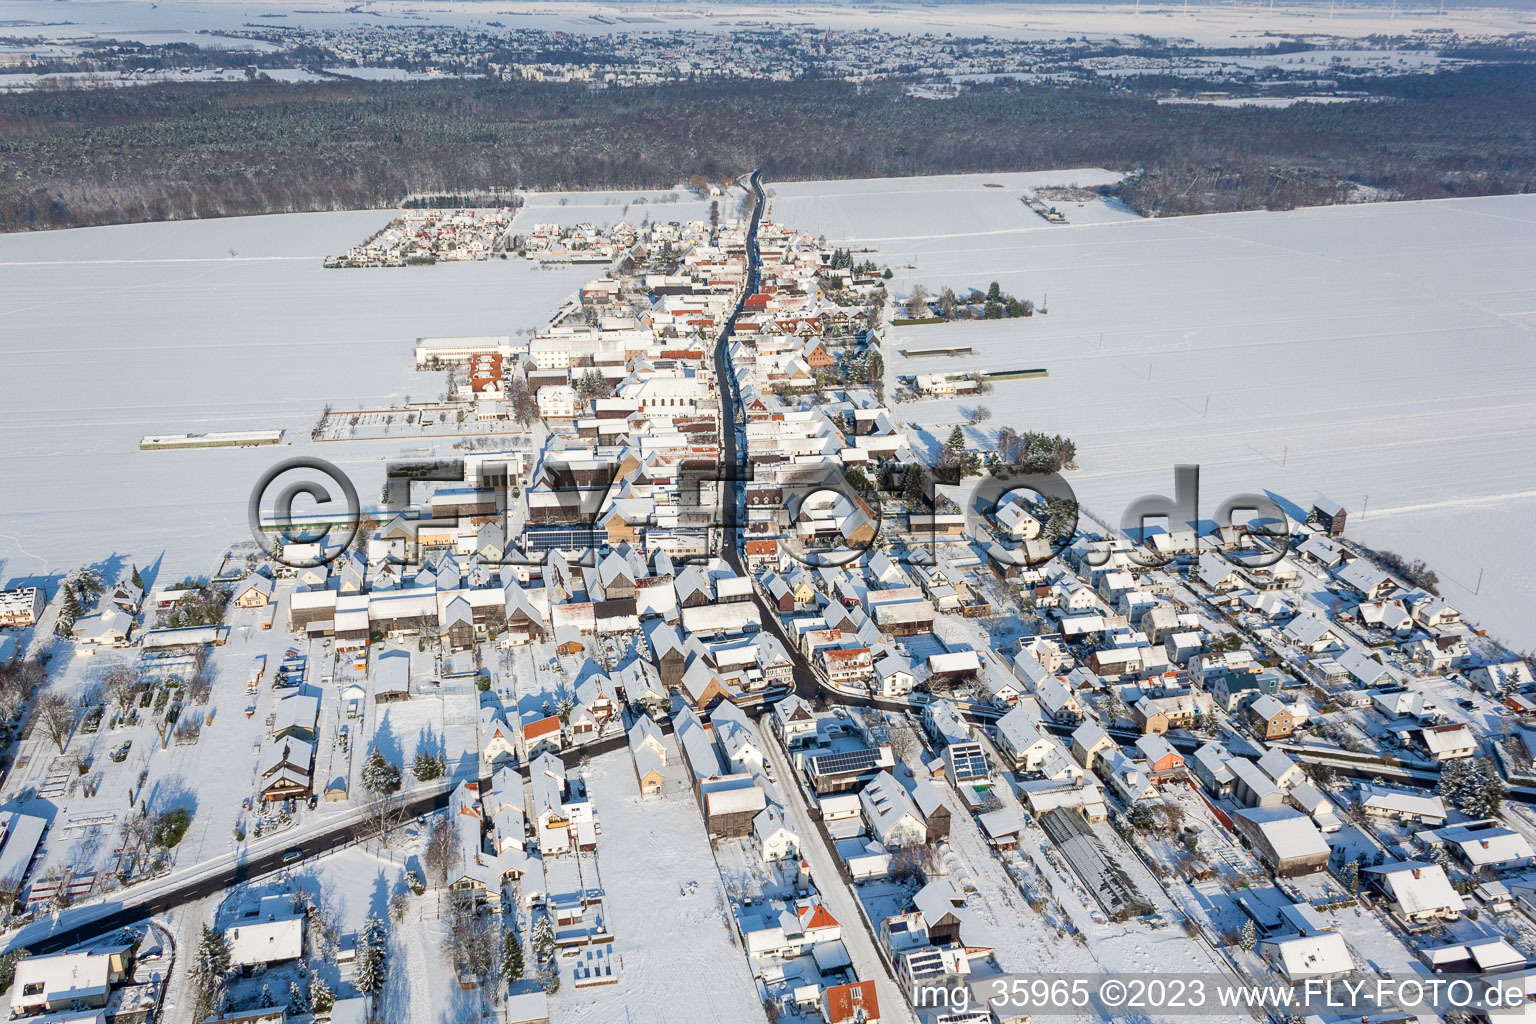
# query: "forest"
[[82, 157]]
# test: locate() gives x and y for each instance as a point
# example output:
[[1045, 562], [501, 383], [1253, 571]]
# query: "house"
[[286, 769], [1400, 805], [1163, 762], [1419, 894], [392, 677], [1366, 580], [794, 720], [892, 816], [106, 628], [1483, 845], [853, 1003], [949, 920], [965, 764], [1023, 740], [1285, 840], [1089, 741], [1448, 742], [498, 743], [776, 840], [929, 798], [1273, 719], [541, 735], [941, 719], [60, 981], [560, 807], [1127, 777], [21, 606], [477, 870], [1306, 956], [731, 804], [1210, 765], [1328, 516], [1501, 678], [255, 591], [893, 676], [273, 933]]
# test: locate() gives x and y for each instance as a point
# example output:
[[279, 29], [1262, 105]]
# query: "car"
[[291, 855]]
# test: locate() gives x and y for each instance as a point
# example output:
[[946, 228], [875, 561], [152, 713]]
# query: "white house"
[[892, 816]]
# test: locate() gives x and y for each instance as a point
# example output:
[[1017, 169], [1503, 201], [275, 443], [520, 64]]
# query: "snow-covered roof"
[[1313, 956], [1418, 887]]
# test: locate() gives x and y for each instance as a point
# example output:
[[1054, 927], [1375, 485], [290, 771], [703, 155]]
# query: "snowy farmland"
[[1375, 351], [112, 333]]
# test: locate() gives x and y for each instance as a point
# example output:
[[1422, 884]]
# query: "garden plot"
[[679, 958]]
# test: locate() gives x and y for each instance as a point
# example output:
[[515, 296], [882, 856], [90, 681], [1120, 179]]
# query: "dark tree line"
[[172, 151]]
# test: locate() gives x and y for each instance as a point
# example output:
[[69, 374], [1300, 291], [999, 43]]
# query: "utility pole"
[[1364, 506]]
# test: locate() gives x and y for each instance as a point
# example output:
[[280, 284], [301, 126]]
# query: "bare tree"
[[442, 853], [475, 939], [56, 717], [121, 683], [385, 814]]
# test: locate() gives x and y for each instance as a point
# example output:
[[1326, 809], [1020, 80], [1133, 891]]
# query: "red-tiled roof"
[[845, 1001]]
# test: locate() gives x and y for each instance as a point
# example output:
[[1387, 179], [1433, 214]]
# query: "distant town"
[[693, 676]]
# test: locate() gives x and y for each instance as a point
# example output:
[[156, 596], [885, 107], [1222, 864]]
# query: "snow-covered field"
[[1375, 350], [112, 333], [890, 214], [1379, 354], [1206, 24]]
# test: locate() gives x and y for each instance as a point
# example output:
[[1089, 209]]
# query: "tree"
[[372, 957], [381, 776], [299, 1002], [1472, 786], [980, 414], [138, 580], [121, 684], [442, 852], [473, 937], [525, 409], [994, 292], [171, 826], [8, 962], [543, 938], [56, 717], [87, 584], [321, 998], [209, 966], [1351, 878], [947, 304], [914, 489], [1250, 937], [512, 955], [428, 766], [69, 610], [917, 302]]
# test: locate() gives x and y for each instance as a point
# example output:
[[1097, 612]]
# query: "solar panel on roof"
[[844, 762]]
